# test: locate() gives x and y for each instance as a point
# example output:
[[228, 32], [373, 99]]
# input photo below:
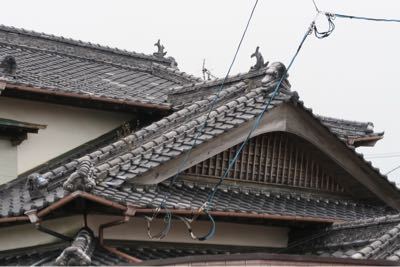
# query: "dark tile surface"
[[58, 64], [375, 238]]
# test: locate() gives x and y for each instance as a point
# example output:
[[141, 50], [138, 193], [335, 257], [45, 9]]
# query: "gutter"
[[60, 93], [109, 203], [130, 212]]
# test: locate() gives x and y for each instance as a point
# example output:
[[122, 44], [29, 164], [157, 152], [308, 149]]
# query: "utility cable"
[[205, 207], [365, 18], [315, 5], [392, 170], [167, 216]]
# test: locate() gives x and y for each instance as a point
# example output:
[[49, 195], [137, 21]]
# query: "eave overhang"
[[53, 95], [17, 131]]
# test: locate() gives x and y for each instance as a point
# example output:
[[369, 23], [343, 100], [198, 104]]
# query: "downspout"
[[34, 219], [130, 212]]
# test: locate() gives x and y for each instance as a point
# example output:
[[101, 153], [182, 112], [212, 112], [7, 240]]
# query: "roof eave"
[[121, 103]]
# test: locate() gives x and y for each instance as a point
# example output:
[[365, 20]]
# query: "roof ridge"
[[209, 83], [177, 71], [81, 43]]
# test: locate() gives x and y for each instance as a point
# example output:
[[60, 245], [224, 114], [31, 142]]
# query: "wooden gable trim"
[[296, 120], [275, 159], [275, 121], [300, 122]]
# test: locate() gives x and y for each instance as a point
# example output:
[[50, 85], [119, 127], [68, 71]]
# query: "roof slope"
[[376, 238], [65, 65]]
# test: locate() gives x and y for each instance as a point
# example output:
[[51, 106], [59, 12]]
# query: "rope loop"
[[323, 34], [167, 224], [188, 222]]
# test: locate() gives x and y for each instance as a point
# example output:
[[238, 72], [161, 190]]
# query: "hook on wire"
[[167, 223], [188, 222]]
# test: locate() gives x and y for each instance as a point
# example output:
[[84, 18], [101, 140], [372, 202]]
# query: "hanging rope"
[[168, 215], [206, 206]]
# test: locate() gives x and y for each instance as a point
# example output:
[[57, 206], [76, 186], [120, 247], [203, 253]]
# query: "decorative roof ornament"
[[160, 50], [82, 178], [260, 60], [80, 251], [9, 65], [37, 185]]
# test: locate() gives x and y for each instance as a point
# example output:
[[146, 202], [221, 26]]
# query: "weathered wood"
[[283, 154]]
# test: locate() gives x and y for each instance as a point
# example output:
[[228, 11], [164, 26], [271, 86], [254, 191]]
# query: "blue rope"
[[366, 18], [211, 196], [205, 207], [258, 120], [201, 130]]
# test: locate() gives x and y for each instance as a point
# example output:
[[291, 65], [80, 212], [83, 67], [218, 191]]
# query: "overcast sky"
[[353, 74]]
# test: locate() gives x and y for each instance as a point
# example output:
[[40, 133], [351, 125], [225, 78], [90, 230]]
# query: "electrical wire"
[[200, 132], [205, 207], [259, 117], [392, 170], [383, 157], [365, 18], [320, 35], [315, 5]]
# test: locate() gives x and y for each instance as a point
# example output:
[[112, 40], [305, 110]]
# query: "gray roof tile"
[[58, 64]]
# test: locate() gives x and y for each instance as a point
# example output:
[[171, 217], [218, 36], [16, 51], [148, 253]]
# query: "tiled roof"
[[186, 195], [118, 164], [350, 130], [64, 65], [376, 238]]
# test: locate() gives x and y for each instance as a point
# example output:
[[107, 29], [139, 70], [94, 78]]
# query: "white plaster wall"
[[67, 128], [8, 160], [27, 235], [226, 233]]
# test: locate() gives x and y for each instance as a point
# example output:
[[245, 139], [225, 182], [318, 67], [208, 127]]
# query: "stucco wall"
[[8, 160], [67, 128], [227, 233]]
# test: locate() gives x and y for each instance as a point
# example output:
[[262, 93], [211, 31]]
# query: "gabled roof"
[[151, 151], [55, 65], [375, 238]]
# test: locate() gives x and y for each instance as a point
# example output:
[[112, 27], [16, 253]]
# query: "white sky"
[[352, 74]]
